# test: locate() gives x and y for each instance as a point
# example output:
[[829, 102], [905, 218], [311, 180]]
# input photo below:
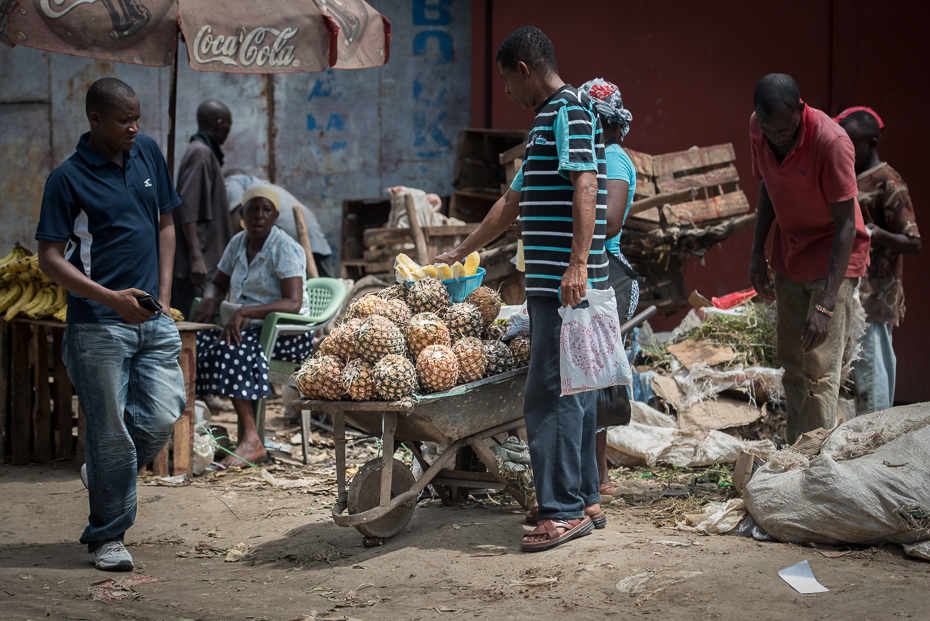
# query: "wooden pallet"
[[708, 171]]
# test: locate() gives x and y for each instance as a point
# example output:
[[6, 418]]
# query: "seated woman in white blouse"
[[265, 271]]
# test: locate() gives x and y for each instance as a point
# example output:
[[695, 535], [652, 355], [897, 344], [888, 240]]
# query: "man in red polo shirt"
[[820, 248]]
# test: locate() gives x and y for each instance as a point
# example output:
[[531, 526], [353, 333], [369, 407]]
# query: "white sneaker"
[[112, 556], [84, 476]]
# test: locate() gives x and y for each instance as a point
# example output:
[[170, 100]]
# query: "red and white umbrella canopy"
[[270, 36]]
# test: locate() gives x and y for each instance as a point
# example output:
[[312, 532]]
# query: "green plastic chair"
[[326, 296]]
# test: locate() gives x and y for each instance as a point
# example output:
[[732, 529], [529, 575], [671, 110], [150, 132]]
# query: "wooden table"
[[36, 397], [183, 435]]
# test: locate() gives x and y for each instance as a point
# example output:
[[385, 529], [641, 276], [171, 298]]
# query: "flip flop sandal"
[[550, 528], [599, 519]]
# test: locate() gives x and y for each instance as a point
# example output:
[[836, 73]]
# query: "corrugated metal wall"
[[333, 135]]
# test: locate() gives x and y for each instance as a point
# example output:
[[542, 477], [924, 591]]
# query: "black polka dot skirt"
[[242, 372]]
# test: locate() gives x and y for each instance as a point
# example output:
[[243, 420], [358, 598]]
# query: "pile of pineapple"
[[402, 341]]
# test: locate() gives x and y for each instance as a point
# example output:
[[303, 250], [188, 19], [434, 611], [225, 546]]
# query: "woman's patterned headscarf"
[[608, 103]]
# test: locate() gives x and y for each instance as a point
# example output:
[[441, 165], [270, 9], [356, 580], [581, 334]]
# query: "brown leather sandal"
[[598, 518], [607, 491], [550, 528]]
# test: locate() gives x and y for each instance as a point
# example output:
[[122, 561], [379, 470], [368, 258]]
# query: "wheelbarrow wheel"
[[365, 494]]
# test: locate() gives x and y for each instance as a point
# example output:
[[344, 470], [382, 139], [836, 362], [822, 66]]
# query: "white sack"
[[869, 485]]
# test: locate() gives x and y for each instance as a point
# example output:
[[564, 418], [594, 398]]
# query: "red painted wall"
[[687, 71]]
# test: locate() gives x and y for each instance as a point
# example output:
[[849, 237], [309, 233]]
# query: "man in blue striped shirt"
[[560, 195]]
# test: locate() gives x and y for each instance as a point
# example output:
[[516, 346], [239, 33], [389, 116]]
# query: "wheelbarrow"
[[382, 495]]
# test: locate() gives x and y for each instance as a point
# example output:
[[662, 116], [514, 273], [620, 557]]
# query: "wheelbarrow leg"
[[440, 490], [487, 457], [387, 457], [339, 437]]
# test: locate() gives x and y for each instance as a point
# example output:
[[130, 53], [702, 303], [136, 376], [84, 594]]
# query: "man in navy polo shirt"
[[106, 235], [560, 195]]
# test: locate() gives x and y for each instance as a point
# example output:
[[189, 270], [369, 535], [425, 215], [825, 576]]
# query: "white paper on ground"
[[800, 578]]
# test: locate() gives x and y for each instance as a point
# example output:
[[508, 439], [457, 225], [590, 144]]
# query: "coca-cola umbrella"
[[232, 36]]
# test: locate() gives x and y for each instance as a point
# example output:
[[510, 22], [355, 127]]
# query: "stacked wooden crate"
[[685, 202], [479, 174]]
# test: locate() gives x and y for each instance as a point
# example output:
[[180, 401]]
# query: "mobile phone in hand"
[[149, 302]]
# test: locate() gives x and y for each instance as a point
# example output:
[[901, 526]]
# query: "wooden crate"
[[35, 401], [359, 215], [709, 171], [472, 205], [512, 161], [477, 158]]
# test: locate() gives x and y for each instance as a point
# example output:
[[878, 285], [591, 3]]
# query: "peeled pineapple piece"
[[445, 272], [471, 263], [458, 270], [430, 270]]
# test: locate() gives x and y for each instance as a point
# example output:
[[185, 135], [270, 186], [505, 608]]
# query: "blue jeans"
[[130, 387], [874, 372], [560, 430]]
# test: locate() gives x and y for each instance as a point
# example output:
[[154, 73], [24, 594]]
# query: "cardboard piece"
[[721, 413], [698, 301], [668, 388], [809, 443], [745, 467], [690, 352]]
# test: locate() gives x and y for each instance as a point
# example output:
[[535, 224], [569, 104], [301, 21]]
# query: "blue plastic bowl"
[[459, 288]]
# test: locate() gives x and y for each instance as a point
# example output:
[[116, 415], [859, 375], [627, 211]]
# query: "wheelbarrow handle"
[[638, 320]]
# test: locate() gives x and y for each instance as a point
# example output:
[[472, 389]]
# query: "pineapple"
[[520, 348], [437, 368], [500, 360], [343, 339], [395, 378], [358, 379], [326, 377], [377, 337], [302, 378], [396, 291], [488, 303], [472, 361], [463, 320], [426, 329], [428, 295], [494, 332], [370, 304], [327, 347], [399, 313]]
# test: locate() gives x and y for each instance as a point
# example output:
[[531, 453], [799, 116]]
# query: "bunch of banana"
[[19, 263], [176, 314], [407, 269]]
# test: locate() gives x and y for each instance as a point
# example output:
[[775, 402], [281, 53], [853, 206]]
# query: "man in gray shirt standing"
[[201, 222]]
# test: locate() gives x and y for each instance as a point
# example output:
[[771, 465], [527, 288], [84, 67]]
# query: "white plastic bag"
[[591, 352]]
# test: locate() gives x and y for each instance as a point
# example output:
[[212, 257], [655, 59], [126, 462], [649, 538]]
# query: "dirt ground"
[[253, 546]]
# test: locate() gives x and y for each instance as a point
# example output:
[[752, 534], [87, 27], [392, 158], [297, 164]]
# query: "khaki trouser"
[[812, 381]]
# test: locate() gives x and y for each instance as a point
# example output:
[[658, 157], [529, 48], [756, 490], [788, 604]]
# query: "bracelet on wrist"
[[821, 309]]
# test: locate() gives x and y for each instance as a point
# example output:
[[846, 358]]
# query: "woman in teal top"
[[621, 186]]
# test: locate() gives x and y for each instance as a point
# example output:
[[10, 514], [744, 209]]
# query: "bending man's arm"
[[584, 212], [166, 242], [498, 220], [897, 242], [818, 324], [758, 266], [53, 263]]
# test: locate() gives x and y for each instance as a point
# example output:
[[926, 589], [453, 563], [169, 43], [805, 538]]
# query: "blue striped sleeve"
[[517, 184], [574, 138]]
